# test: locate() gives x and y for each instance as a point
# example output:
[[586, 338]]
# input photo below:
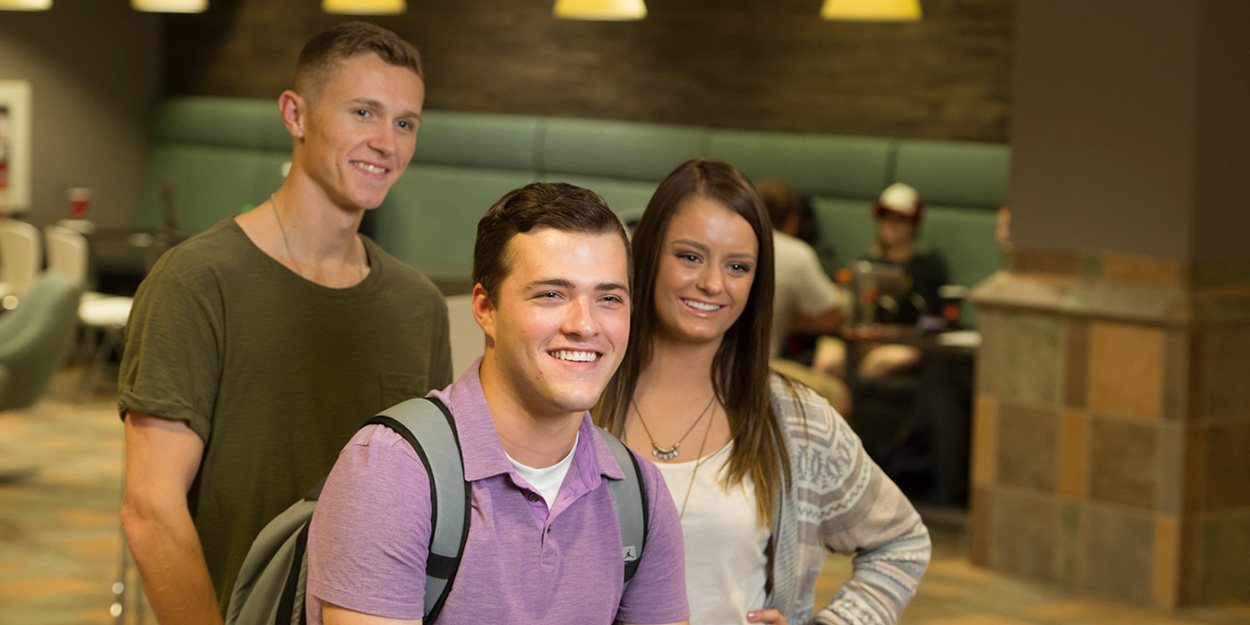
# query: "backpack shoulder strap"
[[427, 425], [629, 497]]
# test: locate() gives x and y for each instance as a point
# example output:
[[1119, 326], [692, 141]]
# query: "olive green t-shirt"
[[274, 372]]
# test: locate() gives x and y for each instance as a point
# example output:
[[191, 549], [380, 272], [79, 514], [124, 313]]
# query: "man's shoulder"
[[788, 243], [792, 250], [389, 443], [203, 255], [401, 274], [647, 471]]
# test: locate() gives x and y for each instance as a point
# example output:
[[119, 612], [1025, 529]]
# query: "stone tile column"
[[1112, 428], [1111, 444]]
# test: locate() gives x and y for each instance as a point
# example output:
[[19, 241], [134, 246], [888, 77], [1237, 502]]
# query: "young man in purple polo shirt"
[[552, 271]]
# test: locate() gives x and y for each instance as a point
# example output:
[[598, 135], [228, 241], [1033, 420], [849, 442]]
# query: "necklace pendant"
[[664, 453]]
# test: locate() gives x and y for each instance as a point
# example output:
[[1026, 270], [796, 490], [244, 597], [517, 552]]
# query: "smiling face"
[[559, 324], [355, 136], [705, 272]]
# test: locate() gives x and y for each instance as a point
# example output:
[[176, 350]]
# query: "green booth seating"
[[36, 337], [218, 156]]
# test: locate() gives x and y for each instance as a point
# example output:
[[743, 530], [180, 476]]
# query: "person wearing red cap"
[[898, 211]]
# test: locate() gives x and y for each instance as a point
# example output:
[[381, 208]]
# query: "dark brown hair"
[[781, 200], [740, 374], [554, 205], [323, 53]]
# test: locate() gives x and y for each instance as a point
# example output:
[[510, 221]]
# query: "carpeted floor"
[[60, 538]]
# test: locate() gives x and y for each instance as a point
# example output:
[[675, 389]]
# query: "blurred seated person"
[[898, 212], [805, 299]]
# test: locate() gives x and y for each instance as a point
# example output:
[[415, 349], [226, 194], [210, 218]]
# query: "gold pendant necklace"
[[689, 489], [668, 453]]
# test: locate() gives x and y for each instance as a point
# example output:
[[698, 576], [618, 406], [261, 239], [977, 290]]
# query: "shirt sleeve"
[[369, 536], [873, 521], [657, 593], [819, 294], [172, 362]]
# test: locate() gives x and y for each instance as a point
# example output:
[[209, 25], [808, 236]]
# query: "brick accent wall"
[[752, 64]]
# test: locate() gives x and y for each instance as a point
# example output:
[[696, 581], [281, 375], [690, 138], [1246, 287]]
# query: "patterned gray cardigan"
[[841, 501]]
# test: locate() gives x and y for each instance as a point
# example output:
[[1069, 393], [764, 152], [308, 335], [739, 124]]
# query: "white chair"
[[21, 259], [67, 253], [102, 315]]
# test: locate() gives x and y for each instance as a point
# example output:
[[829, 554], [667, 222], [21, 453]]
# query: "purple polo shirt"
[[370, 535]]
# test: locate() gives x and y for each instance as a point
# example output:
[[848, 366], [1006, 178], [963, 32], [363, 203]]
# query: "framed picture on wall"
[[14, 146]]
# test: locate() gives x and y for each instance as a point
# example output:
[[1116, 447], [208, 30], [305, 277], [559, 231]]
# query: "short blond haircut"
[[323, 54]]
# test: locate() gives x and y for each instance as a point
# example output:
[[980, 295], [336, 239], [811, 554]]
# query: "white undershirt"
[[725, 560], [546, 481]]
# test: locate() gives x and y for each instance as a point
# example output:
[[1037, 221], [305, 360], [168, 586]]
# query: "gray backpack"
[[270, 586]]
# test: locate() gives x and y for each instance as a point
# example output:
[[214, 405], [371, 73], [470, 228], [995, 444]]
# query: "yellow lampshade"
[[872, 10], [605, 10], [364, 7], [170, 6], [25, 5]]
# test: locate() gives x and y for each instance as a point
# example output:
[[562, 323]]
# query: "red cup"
[[79, 202]]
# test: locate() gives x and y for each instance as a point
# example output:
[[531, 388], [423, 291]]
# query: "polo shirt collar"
[[479, 439]]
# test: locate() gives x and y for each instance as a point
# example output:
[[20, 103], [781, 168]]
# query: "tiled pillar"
[[1111, 447], [1112, 420]]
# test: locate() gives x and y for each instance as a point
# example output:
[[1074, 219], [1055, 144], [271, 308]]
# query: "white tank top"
[[725, 559]]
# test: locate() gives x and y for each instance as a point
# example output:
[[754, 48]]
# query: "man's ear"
[[294, 110], [484, 312]]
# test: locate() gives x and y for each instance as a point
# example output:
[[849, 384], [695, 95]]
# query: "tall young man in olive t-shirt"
[[258, 347]]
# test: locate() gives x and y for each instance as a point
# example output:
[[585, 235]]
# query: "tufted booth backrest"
[[220, 156]]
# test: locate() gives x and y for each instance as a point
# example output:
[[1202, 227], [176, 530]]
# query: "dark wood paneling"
[[755, 64]]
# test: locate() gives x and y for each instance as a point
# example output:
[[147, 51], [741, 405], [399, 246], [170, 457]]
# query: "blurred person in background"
[[805, 300], [898, 214]]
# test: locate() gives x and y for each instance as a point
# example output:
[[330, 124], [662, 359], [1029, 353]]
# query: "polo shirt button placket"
[[539, 508]]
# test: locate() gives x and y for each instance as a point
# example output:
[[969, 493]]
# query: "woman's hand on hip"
[[774, 617]]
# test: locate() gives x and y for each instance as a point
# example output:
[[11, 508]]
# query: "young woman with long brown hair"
[[767, 477]]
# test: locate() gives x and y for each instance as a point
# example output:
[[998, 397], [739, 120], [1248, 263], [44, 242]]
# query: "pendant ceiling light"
[[872, 10], [364, 7], [25, 5], [606, 10], [170, 6]]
